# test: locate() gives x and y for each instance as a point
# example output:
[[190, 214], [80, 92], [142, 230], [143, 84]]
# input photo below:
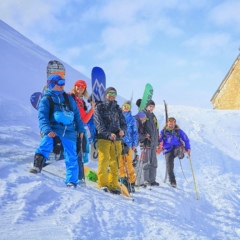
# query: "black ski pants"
[[170, 156]]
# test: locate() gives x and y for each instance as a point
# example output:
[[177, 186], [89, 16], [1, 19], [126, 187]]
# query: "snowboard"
[[147, 95], [98, 94], [55, 67], [98, 84], [58, 169], [35, 99]]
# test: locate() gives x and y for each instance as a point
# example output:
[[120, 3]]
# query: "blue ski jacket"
[[108, 118], [48, 125], [131, 135], [173, 138]]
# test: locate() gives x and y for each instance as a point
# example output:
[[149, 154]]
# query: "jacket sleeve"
[[99, 123], [183, 136], [43, 116], [77, 118], [134, 132], [123, 124]]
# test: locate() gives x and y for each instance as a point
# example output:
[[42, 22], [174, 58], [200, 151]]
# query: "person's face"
[[79, 89], [171, 123], [150, 108], [59, 86], [126, 107], [111, 95]]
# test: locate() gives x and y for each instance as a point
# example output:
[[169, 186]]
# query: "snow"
[[41, 207]]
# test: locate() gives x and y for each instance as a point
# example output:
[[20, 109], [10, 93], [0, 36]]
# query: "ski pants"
[[126, 167], [109, 153], [70, 154], [150, 165], [169, 157]]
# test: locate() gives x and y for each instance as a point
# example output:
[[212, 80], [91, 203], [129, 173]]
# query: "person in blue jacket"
[[64, 122], [129, 144], [174, 143]]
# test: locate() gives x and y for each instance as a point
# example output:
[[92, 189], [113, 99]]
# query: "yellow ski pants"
[[126, 167], [109, 153]]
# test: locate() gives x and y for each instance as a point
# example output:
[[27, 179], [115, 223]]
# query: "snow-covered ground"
[[41, 207]]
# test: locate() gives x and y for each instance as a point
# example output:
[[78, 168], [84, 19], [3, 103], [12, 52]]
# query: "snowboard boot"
[[71, 185], [115, 191], [105, 188], [154, 183], [133, 187], [39, 161], [173, 184]]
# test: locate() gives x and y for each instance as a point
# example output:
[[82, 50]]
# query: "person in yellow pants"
[[130, 141], [111, 126]]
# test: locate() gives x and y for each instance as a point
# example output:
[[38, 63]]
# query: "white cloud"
[[227, 13]]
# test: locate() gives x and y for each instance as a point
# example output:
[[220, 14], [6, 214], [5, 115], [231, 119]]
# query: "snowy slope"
[[42, 206]]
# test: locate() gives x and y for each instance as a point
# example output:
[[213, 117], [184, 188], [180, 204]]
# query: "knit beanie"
[[138, 102], [150, 102], [141, 115], [110, 89]]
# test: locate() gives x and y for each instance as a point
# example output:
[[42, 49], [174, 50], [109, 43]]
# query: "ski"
[[166, 119]]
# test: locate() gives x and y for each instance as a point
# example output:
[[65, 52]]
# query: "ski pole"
[[195, 186], [142, 157], [182, 170]]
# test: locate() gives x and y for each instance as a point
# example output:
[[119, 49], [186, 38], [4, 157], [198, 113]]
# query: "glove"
[[57, 145], [135, 160]]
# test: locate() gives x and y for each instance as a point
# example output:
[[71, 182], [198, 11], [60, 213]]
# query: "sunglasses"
[[113, 94], [127, 106], [171, 120], [80, 86]]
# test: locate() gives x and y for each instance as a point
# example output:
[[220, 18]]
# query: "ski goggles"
[[128, 106], [60, 82], [113, 94], [172, 120]]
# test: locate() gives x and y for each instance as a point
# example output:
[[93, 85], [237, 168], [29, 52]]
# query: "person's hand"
[[188, 152], [80, 135], [52, 134], [133, 148], [112, 137], [92, 105], [148, 136], [121, 133]]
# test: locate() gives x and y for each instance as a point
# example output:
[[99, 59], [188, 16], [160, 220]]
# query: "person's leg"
[[71, 160], [115, 153], [170, 166], [153, 166], [103, 162]]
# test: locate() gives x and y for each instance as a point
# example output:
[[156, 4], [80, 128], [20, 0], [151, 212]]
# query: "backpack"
[[66, 103]]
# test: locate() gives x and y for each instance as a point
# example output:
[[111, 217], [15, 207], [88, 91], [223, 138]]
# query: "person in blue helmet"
[[64, 122]]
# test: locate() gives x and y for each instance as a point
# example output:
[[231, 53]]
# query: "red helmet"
[[80, 84]]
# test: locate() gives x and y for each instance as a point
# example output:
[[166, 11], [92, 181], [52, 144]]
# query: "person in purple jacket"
[[174, 143]]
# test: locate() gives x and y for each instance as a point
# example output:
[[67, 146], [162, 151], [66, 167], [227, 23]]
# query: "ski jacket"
[[48, 123], [131, 135], [150, 126], [108, 118], [173, 138], [141, 134], [85, 116]]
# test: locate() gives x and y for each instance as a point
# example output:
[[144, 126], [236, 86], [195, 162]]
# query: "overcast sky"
[[183, 48]]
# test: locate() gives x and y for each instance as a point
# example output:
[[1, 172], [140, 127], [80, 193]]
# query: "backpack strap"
[[51, 105], [66, 102]]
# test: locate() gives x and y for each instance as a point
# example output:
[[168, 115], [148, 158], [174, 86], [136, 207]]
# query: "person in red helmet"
[[79, 92]]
